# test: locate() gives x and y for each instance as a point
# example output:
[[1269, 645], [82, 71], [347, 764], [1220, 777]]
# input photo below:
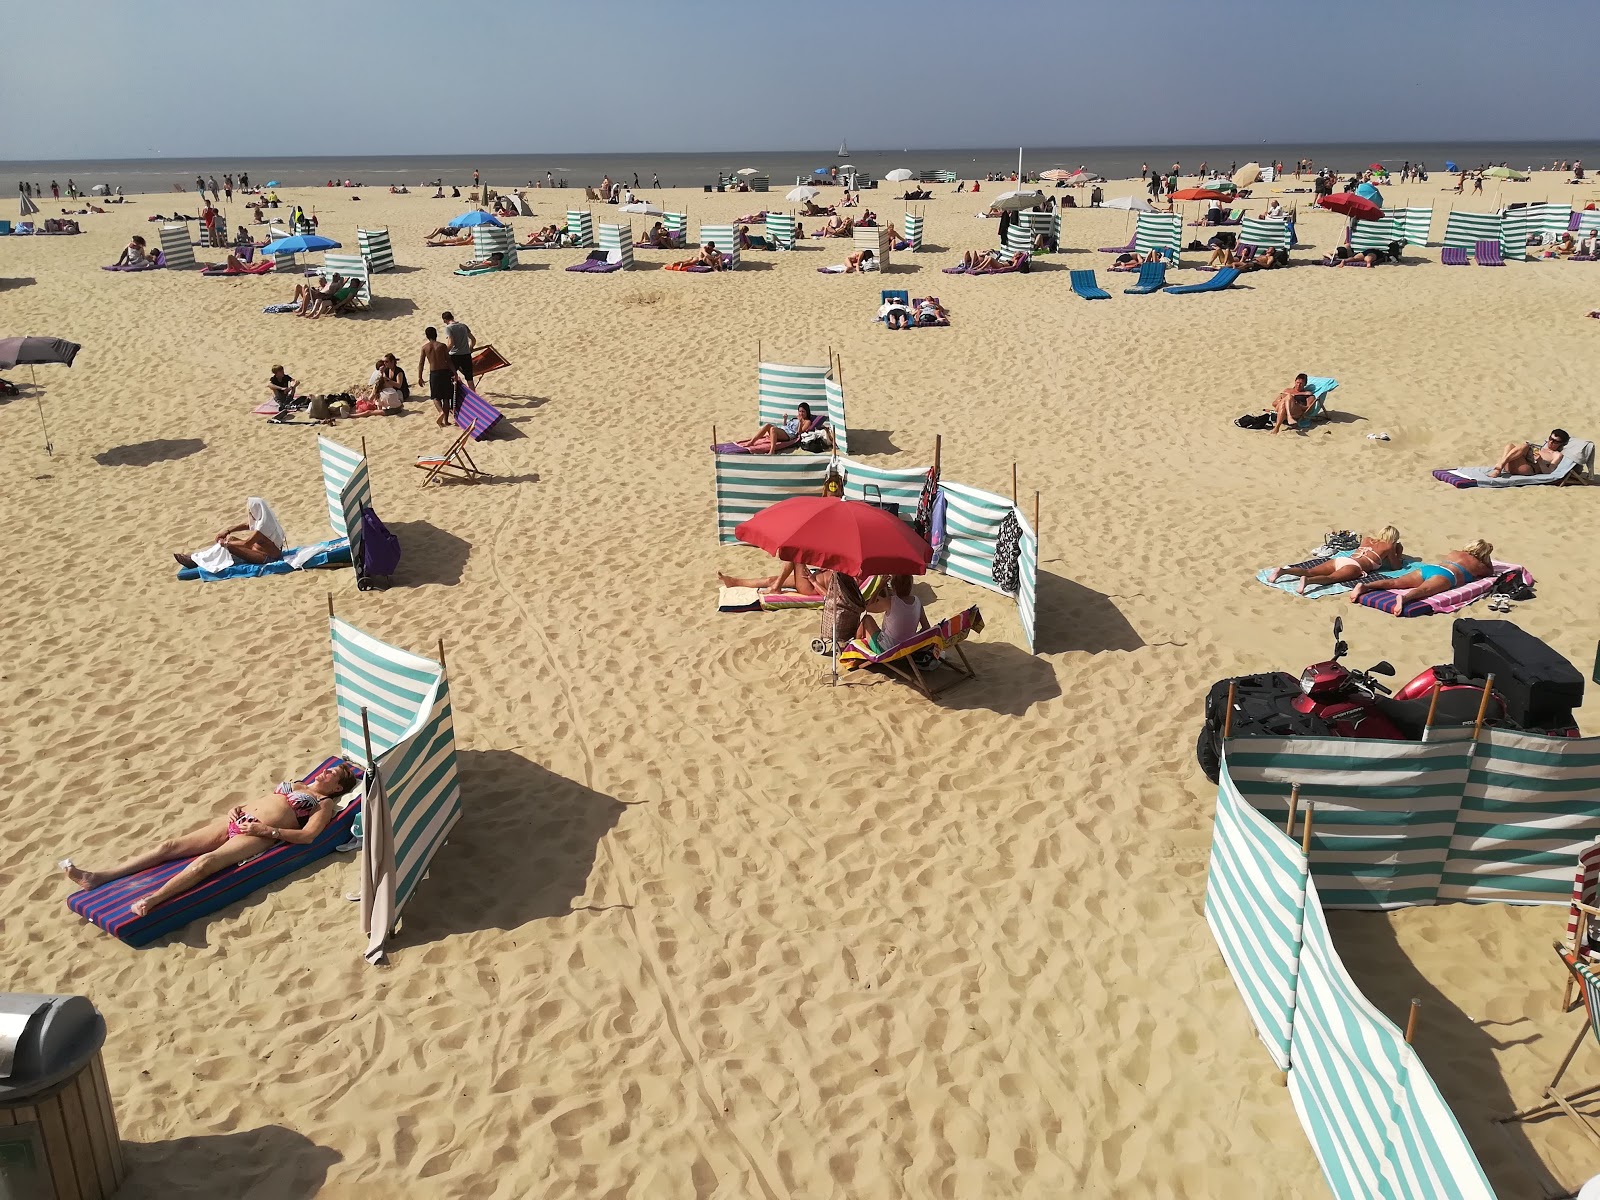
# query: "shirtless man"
[[1292, 404], [441, 373]]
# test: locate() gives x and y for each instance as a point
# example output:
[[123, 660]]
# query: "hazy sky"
[[401, 76]]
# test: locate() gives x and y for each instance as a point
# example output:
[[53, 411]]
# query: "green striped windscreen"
[[1531, 804], [1158, 231], [724, 238], [748, 483], [1466, 229], [407, 699], [351, 266], [346, 485], [972, 525], [1550, 218], [901, 487], [911, 226], [1261, 233], [780, 230], [782, 387], [376, 249], [489, 240], [1385, 810], [1589, 221], [1019, 240], [1255, 893], [1374, 1117], [580, 226], [177, 248], [676, 225], [1376, 235], [1415, 223], [836, 417], [618, 240], [1028, 583], [1515, 227]]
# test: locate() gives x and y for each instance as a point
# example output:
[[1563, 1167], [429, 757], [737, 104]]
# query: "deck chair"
[[1453, 256], [453, 463], [1588, 987], [942, 638], [1488, 254], [1583, 940], [1084, 284], [1223, 278], [1152, 278], [476, 415], [1320, 387], [486, 359]]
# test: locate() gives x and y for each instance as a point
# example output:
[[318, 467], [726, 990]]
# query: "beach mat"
[[1290, 584], [1445, 602], [332, 553]]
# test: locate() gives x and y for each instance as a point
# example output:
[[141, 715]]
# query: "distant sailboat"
[[844, 149]]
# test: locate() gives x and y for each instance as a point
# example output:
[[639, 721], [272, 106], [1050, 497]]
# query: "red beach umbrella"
[[1348, 204], [1200, 194], [841, 535]]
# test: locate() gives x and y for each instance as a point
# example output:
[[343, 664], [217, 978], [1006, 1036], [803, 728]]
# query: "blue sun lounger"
[[1152, 278], [1216, 283], [1084, 284]]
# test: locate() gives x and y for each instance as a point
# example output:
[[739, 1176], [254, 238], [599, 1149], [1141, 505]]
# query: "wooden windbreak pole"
[[1036, 516], [1305, 833], [1411, 1020], [363, 445], [1294, 803], [1433, 707], [1483, 706], [1227, 717], [330, 606], [938, 450], [441, 653], [1014, 485]]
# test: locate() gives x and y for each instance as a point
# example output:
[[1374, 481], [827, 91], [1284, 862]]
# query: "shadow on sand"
[[429, 554], [266, 1161], [1073, 617], [144, 454]]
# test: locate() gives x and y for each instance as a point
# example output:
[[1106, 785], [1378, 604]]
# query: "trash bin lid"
[[43, 1040]]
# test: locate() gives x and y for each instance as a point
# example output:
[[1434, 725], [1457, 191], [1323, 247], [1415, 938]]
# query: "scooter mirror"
[[1340, 649], [1338, 626], [1382, 668]]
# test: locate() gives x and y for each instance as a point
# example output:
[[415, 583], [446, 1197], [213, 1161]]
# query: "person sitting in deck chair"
[[902, 616], [768, 437], [1524, 458], [492, 263], [295, 813]]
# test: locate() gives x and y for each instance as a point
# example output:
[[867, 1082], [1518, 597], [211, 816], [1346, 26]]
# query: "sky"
[[407, 77]]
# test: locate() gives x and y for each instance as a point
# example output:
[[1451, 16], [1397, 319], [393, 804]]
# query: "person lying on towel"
[[295, 813], [445, 236], [896, 314], [708, 257], [492, 263], [812, 209], [795, 577], [768, 437], [550, 235], [1382, 553], [930, 311], [984, 260], [1129, 261], [1456, 569], [1524, 458], [263, 542]]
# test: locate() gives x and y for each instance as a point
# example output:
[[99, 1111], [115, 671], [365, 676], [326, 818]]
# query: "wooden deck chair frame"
[[1564, 1102], [455, 460], [917, 680]]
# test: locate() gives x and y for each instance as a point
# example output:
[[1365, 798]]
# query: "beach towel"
[[280, 308], [1287, 583], [109, 905], [1577, 459], [844, 268], [598, 262], [783, 446], [154, 263], [696, 268], [331, 553], [1446, 602], [738, 599], [1019, 263], [939, 323], [217, 271]]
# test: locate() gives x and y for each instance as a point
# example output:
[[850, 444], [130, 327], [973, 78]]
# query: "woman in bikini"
[[295, 813], [1524, 458], [1459, 567], [1381, 553]]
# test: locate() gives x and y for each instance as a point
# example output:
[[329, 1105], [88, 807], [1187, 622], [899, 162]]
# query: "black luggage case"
[[1541, 687]]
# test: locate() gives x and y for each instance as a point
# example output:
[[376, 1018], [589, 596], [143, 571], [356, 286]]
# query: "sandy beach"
[[709, 927]]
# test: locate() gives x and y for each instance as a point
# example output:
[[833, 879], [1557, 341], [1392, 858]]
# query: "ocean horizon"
[[697, 168]]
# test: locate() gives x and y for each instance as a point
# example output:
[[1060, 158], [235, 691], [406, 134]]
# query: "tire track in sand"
[[765, 1173]]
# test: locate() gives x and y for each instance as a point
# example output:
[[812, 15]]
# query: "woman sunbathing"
[[837, 226], [789, 431], [493, 263], [448, 237], [1459, 567], [294, 814], [1564, 245], [1374, 554], [983, 260], [1524, 458], [795, 577], [133, 254], [550, 235], [262, 543], [812, 209]]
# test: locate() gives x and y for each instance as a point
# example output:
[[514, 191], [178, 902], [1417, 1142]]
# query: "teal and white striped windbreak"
[[911, 225], [489, 240], [1415, 223], [837, 422], [676, 225], [580, 226], [1589, 221], [177, 248], [1158, 231], [724, 239], [416, 798], [617, 242], [749, 483], [1263, 233], [1376, 235], [782, 387], [348, 487], [376, 249], [780, 230], [351, 266], [891, 486], [972, 527], [1466, 230]]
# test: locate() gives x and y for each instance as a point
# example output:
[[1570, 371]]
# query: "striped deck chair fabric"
[[1453, 256], [1554, 1100], [878, 241], [783, 387], [749, 483], [1416, 224], [414, 798], [376, 249], [1261, 232], [476, 415], [725, 239], [110, 906], [1158, 231], [351, 266], [1376, 235], [1583, 934], [580, 227], [176, 248], [617, 242], [911, 226], [942, 640], [780, 230], [677, 226], [1488, 254]]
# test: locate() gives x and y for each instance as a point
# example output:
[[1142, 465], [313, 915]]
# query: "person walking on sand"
[[227, 187], [655, 180], [461, 342], [441, 374]]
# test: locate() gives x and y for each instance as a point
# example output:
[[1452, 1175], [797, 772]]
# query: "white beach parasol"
[[747, 171], [898, 175], [639, 206], [1131, 203], [1016, 201], [803, 192]]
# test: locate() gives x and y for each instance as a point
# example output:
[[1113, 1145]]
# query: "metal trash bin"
[[58, 1133]]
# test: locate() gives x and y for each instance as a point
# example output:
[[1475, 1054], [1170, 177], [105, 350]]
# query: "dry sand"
[[707, 927]]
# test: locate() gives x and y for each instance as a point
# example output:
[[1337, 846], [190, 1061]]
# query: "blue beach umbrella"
[[820, 171], [301, 243], [272, 183], [1448, 165], [476, 217], [1367, 192]]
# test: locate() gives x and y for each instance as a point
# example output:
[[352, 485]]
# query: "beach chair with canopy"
[[1084, 284], [939, 640], [1152, 278]]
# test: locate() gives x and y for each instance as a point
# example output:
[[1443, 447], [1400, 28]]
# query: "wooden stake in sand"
[[1227, 717], [1483, 706], [1305, 834], [1294, 803], [1433, 707], [1411, 1019]]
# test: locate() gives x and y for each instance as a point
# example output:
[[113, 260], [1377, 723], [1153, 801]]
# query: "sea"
[[135, 175]]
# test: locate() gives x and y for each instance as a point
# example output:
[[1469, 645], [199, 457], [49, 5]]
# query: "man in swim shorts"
[[435, 363]]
